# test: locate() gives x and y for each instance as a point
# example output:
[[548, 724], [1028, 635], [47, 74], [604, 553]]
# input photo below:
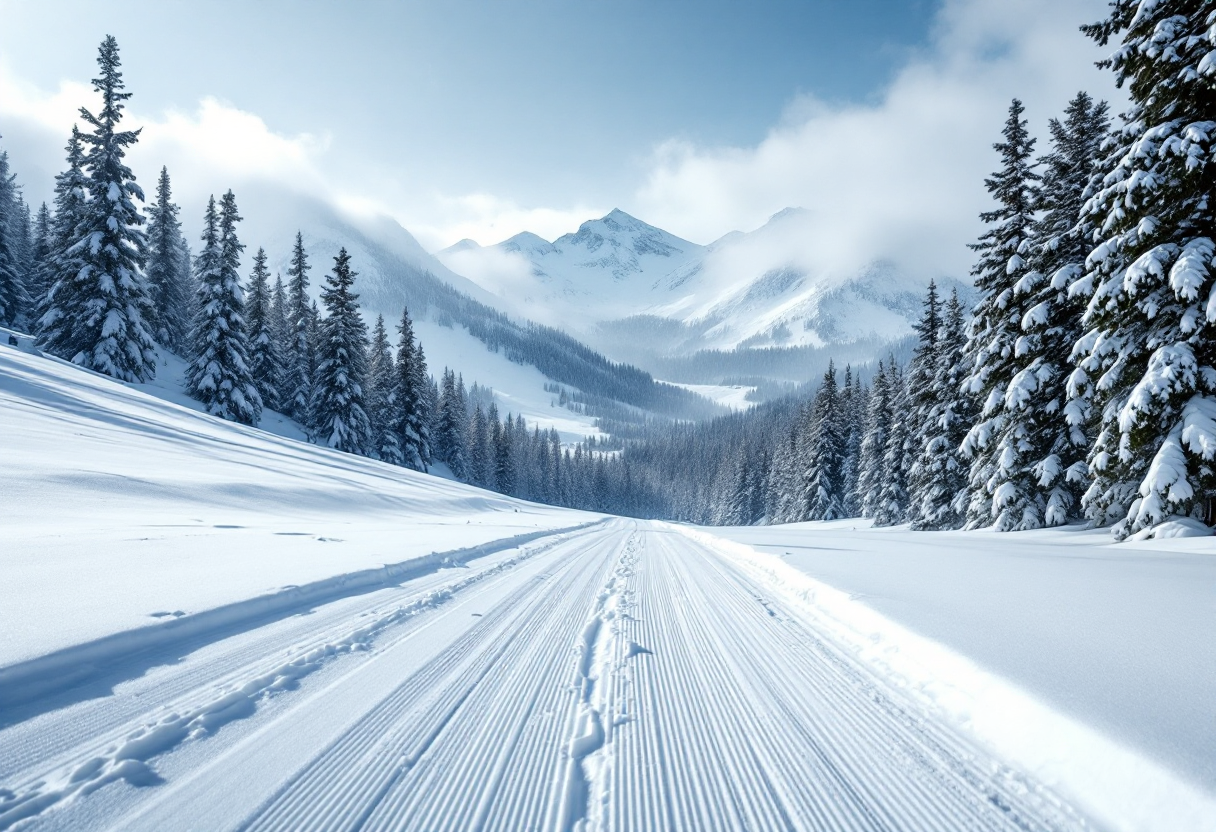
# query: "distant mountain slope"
[[394, 271], [645, 296]]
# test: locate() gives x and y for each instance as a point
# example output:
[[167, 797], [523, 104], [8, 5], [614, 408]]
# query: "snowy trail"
[[619, 677]]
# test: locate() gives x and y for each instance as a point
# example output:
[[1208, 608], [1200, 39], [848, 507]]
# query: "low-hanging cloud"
[[901, 179]]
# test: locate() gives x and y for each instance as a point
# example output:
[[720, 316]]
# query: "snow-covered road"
[[621, 676]]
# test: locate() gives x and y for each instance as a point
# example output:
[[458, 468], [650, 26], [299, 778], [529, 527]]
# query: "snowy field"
[[123, 510], [733, 396], [1117, 635], [193, 609]]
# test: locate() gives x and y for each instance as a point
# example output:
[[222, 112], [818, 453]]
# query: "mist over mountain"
[[753, 304]]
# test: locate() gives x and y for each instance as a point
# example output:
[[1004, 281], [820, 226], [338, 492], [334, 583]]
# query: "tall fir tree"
[[823, 473], [852, 405], [449, 427], [871, 468], [925, 405], [997, 446], [265, 364], [1053, 466], [503, 437], [219, 373], [892, 501], [478, 452], [279, 330], [14, 300], [382, 406], [298, 353], [63, 261], [1148, 352], [413, 409], [98, 317], [339, 387], [40, 276], [168, 282], [941, 491]]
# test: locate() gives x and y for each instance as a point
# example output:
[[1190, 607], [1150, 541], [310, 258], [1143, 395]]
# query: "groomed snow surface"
[[211, 627]]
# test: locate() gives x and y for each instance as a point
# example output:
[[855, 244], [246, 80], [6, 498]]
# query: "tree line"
[[1082, 385]]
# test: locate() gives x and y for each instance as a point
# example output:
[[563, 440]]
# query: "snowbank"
[[123, 511]]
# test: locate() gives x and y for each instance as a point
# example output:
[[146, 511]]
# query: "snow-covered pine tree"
[[383, 409], [1147, 362], [39, 276], [1053, 467], [278, 327], [504, 457], [13, 298], [63, 262], [219, 374], [413, 409], [852, 405], [339, 386], [823, 475], [449, 427], [98, 317], [265, 365], [169, 286], [871, 468], [478, 450], [298, 352], [1002, 491], [892, 503], [924, 407], [942, 485]]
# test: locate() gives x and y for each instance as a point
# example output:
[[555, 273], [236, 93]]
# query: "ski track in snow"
[[620, 677]]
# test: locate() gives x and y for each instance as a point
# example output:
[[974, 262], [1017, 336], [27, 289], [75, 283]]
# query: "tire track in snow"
[[633, 679], [126, 751], [800, 736], [474, 740]]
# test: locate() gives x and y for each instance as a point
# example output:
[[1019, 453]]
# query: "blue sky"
[[482, 119], [533, 97]]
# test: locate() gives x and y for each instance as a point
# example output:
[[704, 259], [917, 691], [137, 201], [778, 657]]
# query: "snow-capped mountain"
[[644, 295], [595, 274]]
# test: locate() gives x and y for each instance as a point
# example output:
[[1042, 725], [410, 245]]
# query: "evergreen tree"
[[478, 453], [449, 428], [413, 410], [924, 404], [59, 279], [1147, 361], [338, 406], [1053, 470], [892, 503], [219, 374], [40, 274], [279, 330], [298, 354], [872, 470], [383, 407], [824, 473], [941, 491], [13, 298], [504, 456], [169, 286], [98, 319], [265, 364], [1002, 493]]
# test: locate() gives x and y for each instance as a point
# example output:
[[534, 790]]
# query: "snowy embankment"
[[1087, 664], [128, 520]]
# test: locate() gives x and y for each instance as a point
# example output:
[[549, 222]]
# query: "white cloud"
[[901, 179]]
